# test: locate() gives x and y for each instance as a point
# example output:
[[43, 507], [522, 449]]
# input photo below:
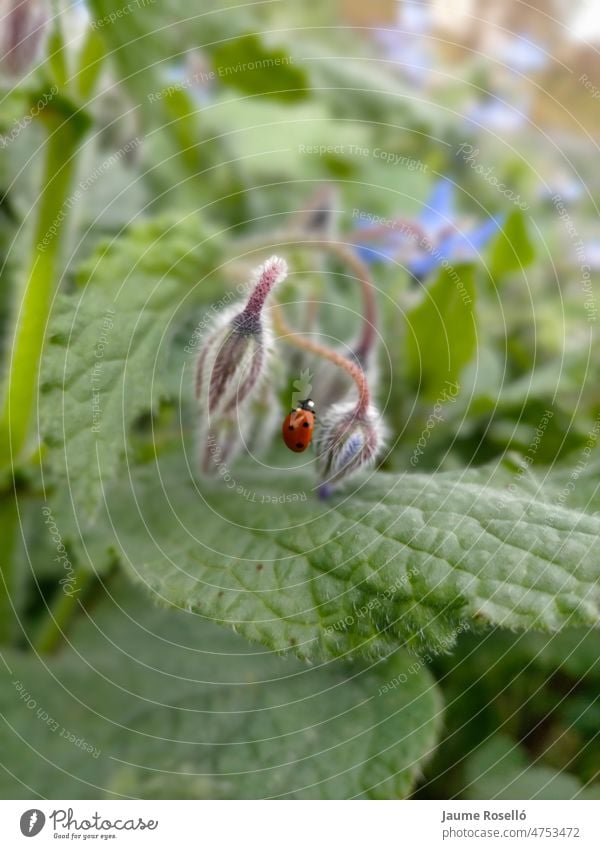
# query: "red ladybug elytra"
[[298, 426]]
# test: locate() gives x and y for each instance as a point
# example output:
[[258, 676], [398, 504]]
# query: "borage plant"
[[233, 367], [160, 363]]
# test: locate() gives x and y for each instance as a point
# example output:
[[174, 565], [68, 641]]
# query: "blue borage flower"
[[408, 45], [453, 248], [442, 242]]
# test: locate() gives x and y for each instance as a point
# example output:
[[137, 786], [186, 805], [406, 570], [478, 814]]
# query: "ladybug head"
[[308, 405]]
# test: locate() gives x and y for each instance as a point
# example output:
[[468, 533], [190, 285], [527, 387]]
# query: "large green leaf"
[[441, 335], [148, 703], [179, 248], [405, 559], [104, 362]]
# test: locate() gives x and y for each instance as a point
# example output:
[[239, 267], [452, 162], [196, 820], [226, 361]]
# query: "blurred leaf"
[[183, 248], [512, 249], [57, 56], [441, 335], [356, 85], [421, 558], [137, 45], [244, 63], [241, 124], [499, 770], [573, 652], [158, 704]]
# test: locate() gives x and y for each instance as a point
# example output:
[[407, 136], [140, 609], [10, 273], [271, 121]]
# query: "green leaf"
[[137, 46], [244, 63], [158, 704], [105, 359], [96, 379], [512, 250], [410, 559], [166, 248], [57, 56], [499, 770], [441, 335]]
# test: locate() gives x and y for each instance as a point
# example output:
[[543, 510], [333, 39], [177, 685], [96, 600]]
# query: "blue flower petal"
[[438, 210], [382, 249], [423, 264], [457, 247], [372, 254]]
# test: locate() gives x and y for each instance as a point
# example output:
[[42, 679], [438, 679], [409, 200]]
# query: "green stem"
[[36, 297], [62, 612], [9, 522]]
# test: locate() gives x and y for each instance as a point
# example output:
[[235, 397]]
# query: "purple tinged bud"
[[220, 444], [23, 26], [347, 440], [266, 276], [232, 363]]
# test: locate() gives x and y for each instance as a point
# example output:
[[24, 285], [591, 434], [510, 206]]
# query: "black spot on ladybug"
[[305, 424], [291, 427], [299, 445]]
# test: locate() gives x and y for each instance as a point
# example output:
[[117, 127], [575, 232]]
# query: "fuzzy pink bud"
[[233, 361]]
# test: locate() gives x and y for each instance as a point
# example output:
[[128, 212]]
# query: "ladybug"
[[298, 426]]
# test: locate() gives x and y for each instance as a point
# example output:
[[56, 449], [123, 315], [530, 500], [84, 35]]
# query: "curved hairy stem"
[[303, 343], [346, 256]]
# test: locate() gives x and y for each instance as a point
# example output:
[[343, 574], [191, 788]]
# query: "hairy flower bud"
[[23, 25], [233, 357], [347, 441], [231, 364]]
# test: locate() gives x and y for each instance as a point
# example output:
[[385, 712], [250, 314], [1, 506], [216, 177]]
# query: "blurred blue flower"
[[408, 45], [377, 244], [453, 248], [521, 53], [439, 236], [494, 113], [569, 188]]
